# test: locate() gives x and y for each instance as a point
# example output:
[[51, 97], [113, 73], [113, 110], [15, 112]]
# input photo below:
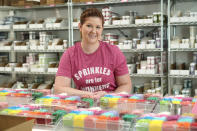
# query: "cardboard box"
[[87, 1], [31, 3], [1, 2], [6, 2], [18, 2], [14, 123], [75, 1], [43, 2], [50, 2]]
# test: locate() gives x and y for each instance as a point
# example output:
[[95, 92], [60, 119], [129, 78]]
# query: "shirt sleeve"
[[120, 63], [64, 68]]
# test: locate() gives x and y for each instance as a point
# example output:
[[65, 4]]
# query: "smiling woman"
[[95, 66]]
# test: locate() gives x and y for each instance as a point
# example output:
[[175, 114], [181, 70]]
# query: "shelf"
[[183, 23], [36, 73], [33, 50], [141, 50], [182, 76], [114, 3], [7, 8], [147, 75], [129, 26], [39, 50], [39, 73], [43, 29], [5, 30], [6, 72], [5, 50], [185, 0], [183, 49], [33, 7], [132, 26]]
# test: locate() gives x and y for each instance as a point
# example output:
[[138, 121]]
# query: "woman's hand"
[[99, 94]]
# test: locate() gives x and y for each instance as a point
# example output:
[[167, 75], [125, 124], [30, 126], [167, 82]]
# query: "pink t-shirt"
[[96, 71]]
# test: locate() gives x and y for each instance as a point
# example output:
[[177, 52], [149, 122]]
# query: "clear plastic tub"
[[92, 124], [42, 116], [14, 97], [124, 105]]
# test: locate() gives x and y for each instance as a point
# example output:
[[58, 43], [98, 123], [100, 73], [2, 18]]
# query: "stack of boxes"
[[50, 2]]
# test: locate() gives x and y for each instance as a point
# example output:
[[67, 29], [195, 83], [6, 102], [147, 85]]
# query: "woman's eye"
[[89, 26], [98, 27]]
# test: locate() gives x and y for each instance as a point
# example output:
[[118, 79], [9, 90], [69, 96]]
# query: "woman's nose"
[[94, 29]]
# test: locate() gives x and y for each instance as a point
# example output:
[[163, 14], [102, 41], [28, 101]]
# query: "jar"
[[151, 41], [149, 91], [139, 89], [132, 15], [158, 90], [135, 42], [109, 36], [158, 42], [155, 17], [189, 83], [138, 65], [159, 17], [185, 84], [65, 43], [192, 68], [153, 84], [140, 33], [147, 86], [113, 41], [156, 83]]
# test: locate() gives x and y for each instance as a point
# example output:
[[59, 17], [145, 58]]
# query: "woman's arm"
[[63, 85], [124, 84]]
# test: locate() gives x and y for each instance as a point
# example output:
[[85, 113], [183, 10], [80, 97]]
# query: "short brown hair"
[[91, 12]]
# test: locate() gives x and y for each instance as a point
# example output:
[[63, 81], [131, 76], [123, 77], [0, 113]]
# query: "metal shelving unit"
[[183, 76], [141, 50], [182, 23], [43, 51], [39, 51], [43, 29], [112, 27], [172, 52], [33, 73], [129, 26], [13, 32], [7, 8], [70, 28], [4, 30], [149, 75], [114, 3], [183, 49]]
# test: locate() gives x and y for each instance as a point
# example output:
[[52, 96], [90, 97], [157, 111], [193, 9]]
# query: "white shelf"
[[182, 76], [6, 72], [5, 50], [132, 26], [39, 50], [39, 73], [128, 26], [183, 49], [7, 8], [33, 7], [147, 75], [113, 3], [183, 23], [33, 50], [5, 30], [43, 29], [141, 50]]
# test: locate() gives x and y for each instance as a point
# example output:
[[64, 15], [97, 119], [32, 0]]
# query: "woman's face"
[[91, 30]]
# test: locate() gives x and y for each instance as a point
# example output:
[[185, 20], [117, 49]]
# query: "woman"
[[95, 66]]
